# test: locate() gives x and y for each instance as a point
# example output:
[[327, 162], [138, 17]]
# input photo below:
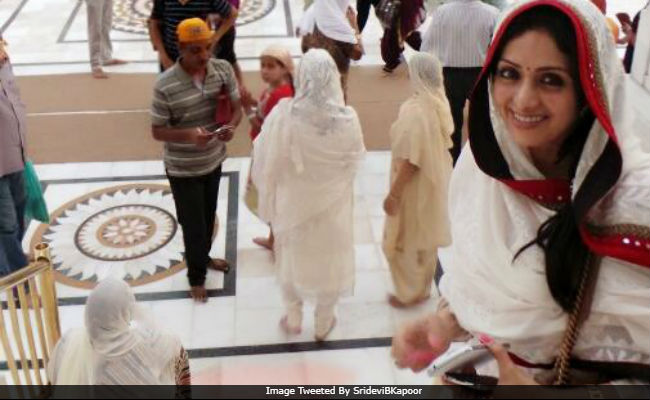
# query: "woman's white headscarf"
[[425, 74], [119, 345], [330, 19], [316, 135], [498, 204]]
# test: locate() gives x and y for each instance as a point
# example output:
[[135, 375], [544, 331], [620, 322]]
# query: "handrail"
[[23, 274], [30, 327]]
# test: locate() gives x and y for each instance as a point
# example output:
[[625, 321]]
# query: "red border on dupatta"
[[549, 191], [630, 248]]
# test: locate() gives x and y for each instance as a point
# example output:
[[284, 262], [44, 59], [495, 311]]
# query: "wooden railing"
[[29, 321]]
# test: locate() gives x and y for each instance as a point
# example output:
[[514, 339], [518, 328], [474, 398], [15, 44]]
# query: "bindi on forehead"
[[532, 69]]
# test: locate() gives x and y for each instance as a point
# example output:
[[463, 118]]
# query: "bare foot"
[[291, 330], [115, 61], [220, 265], [99, 73], [264, 242], [397, 303], [199, 294], [321, 337]]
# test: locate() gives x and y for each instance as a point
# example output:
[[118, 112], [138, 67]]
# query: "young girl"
[[277, 72]]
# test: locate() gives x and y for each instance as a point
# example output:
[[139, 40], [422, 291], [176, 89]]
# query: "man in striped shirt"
[[459, 35], [184, 103], [167, 14]]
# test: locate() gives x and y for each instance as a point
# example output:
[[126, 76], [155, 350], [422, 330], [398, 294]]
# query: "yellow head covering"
[[193, 30]]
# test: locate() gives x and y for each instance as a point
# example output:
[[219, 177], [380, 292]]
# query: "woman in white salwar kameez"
[[416, 206], [306, 159]]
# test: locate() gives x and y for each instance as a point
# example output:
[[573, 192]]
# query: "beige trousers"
[[412, 273], [323, 313], [100, 20]]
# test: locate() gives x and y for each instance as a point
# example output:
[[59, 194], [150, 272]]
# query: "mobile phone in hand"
[[222, 130], [458, 358], [218, 129], [473, 381], [453, 364]]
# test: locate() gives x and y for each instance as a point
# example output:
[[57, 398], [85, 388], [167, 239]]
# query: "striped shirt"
[[170, 13], [179, 103], [460, 33]]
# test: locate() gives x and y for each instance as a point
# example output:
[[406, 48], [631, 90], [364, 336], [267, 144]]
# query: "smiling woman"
[[536, 89], [551, 207]]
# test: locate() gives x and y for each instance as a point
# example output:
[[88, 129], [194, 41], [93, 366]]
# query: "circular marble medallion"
[[127, 232]]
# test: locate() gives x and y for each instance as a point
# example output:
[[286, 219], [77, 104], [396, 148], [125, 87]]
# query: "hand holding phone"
[[452, 367], [456, 359], [221, 132], [201, 137], [225, 133]]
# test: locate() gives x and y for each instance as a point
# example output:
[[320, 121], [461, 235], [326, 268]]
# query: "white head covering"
[[425, 74], [329, 16], [119, 346], [110, 308], [509, 299], [319, 96], [281, 54]]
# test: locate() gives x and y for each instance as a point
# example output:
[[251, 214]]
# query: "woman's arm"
[[418, 343], [357, 50], [406, 172], [183, 376]]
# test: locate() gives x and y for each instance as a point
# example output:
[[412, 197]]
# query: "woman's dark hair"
[[565, 253]]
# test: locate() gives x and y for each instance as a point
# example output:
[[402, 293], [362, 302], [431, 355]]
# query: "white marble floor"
[[237, 330], [50, 37]]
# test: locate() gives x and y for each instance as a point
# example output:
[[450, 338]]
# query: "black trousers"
[[459, 83], [196, 204], [363, 11], [392, 49]]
